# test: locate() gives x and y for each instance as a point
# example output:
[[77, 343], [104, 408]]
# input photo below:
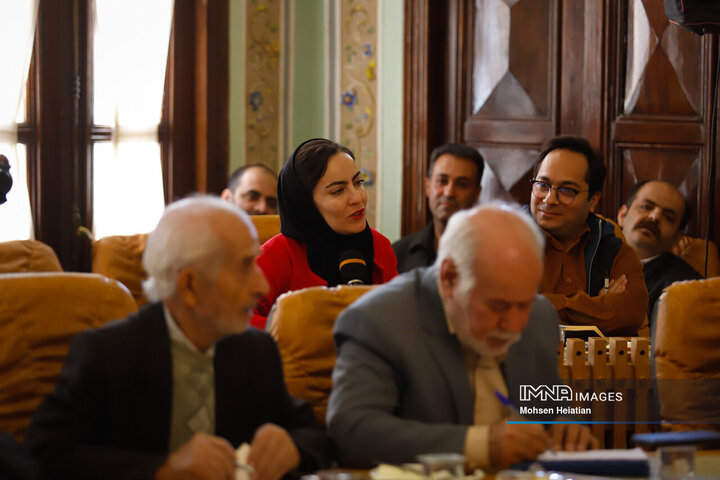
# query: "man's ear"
[[426, 183], [187, 284], [448, 277], [621, 215], [226, 195], [594, 200]]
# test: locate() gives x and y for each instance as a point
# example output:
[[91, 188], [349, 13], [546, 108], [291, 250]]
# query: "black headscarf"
[[302, 221]]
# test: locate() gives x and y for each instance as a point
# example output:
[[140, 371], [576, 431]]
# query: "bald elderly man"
[[171, 391], [421, 357]]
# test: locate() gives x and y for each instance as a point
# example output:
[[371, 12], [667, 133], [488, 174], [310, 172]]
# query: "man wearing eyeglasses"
[[592, 276]]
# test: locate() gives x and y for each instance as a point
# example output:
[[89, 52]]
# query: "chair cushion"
[[267, 226], [302, 324], [120, 257], [28, 256], [687, 357], [39, 314], [692, 250]]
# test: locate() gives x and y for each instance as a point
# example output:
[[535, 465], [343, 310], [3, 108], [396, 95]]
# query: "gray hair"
[[463, 239], [184, 236]]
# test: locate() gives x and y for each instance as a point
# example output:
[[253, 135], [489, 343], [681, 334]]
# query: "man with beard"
[[171, 391], [422, 358], [652, 219], [452, 184]]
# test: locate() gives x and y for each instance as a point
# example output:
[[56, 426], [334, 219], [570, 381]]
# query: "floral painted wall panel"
[[262, 84], [358, 84]]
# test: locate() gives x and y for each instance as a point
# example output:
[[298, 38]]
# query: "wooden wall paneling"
[[181, 112], [514, 56], [714, 180], [660, 117], [211, 95], [582, 70], [83, 181], [458, 74], [201, 99], [196, 104], [57, 208], [218, 96], [424, 112], [615, 72]]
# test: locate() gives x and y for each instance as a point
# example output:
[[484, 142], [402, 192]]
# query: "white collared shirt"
[[177, 335]]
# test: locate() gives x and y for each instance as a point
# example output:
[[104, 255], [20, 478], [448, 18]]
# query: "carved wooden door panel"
[[513, 73], [536, 70], [660, 120], [513, 94]]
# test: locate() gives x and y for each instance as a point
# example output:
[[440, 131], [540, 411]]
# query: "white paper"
[[614, 454]]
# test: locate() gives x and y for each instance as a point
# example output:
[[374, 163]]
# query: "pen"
[[508, 404], [607, 285]]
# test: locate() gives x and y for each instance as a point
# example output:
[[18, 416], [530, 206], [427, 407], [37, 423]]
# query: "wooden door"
[[516, 72]]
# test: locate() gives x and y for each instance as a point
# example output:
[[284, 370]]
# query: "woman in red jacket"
[[322, 201]]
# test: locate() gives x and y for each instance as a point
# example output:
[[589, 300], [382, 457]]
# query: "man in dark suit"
[[171, 391], [452, 184], [652, 219], [421, 357]]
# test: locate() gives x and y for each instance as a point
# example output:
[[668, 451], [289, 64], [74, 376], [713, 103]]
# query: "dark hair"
[[237, 174], [687, 213], [311, 160], [461, 151], [595, 175]]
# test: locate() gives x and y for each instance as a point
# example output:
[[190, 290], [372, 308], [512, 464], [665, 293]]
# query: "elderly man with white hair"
[[425, 361], [171, 391]]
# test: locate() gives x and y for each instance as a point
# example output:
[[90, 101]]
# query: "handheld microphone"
[[353, 268]]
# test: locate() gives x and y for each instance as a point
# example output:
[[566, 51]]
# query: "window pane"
[[15, 216], [130, 57], [17, 24], [128, 193], [130, 53], [21, 113]]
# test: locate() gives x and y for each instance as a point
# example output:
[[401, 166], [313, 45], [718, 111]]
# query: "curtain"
[[130, 53], [17, 24]]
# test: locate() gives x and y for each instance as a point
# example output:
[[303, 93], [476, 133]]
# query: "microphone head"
[[353, 268]]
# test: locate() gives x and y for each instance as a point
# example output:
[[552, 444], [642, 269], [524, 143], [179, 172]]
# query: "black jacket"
[[109, 416]]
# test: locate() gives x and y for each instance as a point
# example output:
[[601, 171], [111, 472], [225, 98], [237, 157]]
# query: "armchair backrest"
[[28, 256], [692, 250], [267, 226], [687, 357], [39, 314], [120, 257], [301, 323]]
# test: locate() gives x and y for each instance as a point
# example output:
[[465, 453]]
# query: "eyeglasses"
[[564, 195]]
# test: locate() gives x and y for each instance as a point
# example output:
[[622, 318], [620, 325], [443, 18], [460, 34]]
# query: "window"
[[129, 59], [95, 128], [19, 25]]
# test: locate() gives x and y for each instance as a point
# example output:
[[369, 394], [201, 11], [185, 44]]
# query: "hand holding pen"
[[515, 442]]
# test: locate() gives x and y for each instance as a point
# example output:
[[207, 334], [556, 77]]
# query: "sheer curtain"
[[130, 53], [17, 24]]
